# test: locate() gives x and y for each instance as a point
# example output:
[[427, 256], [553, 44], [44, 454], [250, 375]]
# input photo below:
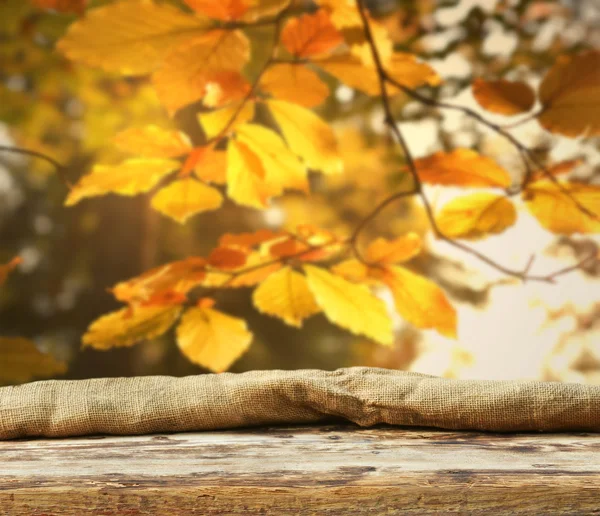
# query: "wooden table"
[[303, 470]]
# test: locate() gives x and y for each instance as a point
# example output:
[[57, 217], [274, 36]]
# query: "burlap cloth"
[[366, 396]]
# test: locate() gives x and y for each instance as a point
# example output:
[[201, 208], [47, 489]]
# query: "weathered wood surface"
[[303, 470]]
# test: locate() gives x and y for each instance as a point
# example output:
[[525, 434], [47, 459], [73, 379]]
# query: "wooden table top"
[[327, 469]]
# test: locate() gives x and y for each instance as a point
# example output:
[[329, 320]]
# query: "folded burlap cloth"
[[364, 395]]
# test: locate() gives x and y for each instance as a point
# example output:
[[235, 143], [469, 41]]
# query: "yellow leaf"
[[216, 122], [462, 167], [285, 294], [310, 35], [294, 83], [132, 177], [504, 97], [282, 169], [420, 301], [129, 37], [162, 284], [350, 306], [152, 141], [182, 199], [187, 70], [557, 211], [476, 216], [129, 326], [7, 268], [398, 250], [20, 361], [570, 96], [212, 339], [308, 136], [246, 183], [352, 270], [403, 68]]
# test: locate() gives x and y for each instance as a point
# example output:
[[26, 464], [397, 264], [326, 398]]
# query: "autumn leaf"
[[350, 306], [402, 68], [400, 249], [570, 96], [504, 97], [20, 361], [152, 141], [128, 326], [250, 240], [285, 294], [227, 258], [282, 169], [232, 10], [555, 209], [210, 165], [7, 268], [132, 177], [224, 87], [186, 71], [310, 35], [246, 183], [226, 10], [130, 38], [308, 136], [462, 167], [419, 301], [184, 198], [211, 338], [219, 121], [162, 284], [294, 83], [476, 216]]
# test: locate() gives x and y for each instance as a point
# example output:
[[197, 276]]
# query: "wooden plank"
[[303, 470]]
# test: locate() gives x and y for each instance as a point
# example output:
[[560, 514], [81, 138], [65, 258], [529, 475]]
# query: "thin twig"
[[60, 169]]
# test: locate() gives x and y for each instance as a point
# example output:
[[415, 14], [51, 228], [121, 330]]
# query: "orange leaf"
[[294, 83], [462, 167], [504, 97], [250, 240], [210, 165], [6, 269], [226, 10], [225, 87], [227, 258], [162, 282], [310, 35], [152, 141], [187, 71], [398, 250], [570, 96]]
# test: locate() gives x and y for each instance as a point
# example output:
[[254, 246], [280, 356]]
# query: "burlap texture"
[[366, 396]]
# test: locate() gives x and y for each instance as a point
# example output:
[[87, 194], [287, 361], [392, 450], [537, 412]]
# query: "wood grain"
[[303, 470]]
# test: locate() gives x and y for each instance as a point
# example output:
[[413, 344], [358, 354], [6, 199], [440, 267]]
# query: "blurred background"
[[72, 255]]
